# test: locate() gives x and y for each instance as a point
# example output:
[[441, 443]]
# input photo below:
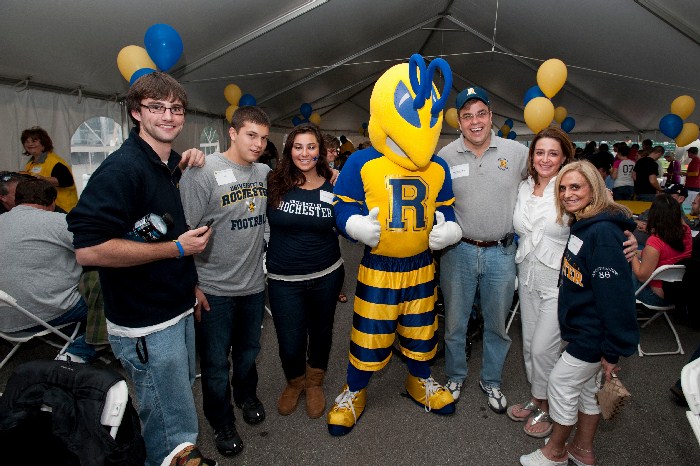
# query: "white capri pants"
[[538, 294], [572, 387]]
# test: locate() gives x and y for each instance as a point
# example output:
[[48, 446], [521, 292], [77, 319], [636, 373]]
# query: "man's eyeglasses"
[[160, 109], [469, 116]]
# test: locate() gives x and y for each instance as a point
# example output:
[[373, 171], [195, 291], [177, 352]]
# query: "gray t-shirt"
[[486, 187], [37, 265], [235, 196]]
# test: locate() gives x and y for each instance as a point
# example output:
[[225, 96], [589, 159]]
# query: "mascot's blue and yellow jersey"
[[407, 199]]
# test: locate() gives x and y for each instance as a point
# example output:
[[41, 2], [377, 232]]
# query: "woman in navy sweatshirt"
[[597, 315]]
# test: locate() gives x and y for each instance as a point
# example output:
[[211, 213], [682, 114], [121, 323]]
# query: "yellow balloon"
[[232, 94], [315, 118], [505, 129], [451, 117], [538, 113], [131, 59], [551, 76], [560, 114], [229, 112], [683, 106], [689, 133]]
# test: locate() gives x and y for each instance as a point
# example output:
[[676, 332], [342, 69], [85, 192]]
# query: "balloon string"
[[495, 22]]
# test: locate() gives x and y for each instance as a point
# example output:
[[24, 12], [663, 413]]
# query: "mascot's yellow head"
[[406, 112]]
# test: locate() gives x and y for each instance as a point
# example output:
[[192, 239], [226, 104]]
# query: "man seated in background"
[[8, 184], [39, 268]]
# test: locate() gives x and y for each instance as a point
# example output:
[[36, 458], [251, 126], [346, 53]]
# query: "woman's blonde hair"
[[601, 201]]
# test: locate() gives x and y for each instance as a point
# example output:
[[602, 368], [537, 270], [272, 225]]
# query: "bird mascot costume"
[[396, 198]]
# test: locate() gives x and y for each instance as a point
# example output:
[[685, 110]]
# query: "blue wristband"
[[179, 248]]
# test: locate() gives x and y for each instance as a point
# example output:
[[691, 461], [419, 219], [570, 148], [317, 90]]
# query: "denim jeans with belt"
[[162, 368], [303, 312], [232, 325], [464, 268]]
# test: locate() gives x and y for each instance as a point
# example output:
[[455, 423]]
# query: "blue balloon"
[[138, 73], [671, 125], [296, 121], [533, 92], [163, 45], [499, 133], [246, 99], [512, 135], [305, 110], [568, 124], [509, 123]]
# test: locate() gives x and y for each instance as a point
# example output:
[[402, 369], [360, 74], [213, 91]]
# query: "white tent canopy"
[[627, 60]]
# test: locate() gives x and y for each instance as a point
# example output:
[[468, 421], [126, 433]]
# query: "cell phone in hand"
[[208, 225]]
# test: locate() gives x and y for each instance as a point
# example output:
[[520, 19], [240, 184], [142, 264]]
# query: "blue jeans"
[[231, 326], [303, 313], [79, 347], [623, 193], [162, 370], [645, 197], [464, 268], [647, 296]]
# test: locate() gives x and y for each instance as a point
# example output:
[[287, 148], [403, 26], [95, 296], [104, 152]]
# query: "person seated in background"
[[8, 184], [669, 242], [603, 165], [332, 151], [676, 191], [39, 268], [45, 164]]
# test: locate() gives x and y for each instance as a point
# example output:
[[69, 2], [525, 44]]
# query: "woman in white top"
[[623, 189], [540, 248]]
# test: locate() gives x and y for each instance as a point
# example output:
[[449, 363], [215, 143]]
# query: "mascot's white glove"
[[443, 233], [365, 228]]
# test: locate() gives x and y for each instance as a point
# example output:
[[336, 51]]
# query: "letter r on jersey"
[[407, 198]]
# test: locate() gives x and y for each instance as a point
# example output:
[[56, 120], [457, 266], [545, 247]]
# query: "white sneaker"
[[69, 357], [454, 387], [497, 400], [537, 458]]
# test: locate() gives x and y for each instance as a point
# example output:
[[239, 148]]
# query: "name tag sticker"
[[459, 171], [575, 244], [224, 177], [326, 197]]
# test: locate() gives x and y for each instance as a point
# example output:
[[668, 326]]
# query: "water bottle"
[[150, 228]]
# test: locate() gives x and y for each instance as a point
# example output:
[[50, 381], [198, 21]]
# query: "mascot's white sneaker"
[[346, 411], [430, 394]]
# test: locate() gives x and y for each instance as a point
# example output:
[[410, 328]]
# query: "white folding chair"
[[665, 273], [690, 381], [17, 338]]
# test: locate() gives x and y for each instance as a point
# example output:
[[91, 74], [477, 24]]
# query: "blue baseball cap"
[[471, 93]]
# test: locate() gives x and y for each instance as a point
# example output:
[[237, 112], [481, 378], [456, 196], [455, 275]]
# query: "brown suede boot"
[[290, 396], [315, 399]]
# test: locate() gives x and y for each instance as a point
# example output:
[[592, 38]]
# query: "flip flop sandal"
[[342, 298], [531, 408], [541, 416]]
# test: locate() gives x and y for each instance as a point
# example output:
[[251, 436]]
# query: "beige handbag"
[[611, 397]]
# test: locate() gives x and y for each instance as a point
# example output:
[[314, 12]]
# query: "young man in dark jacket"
[[148, 286]]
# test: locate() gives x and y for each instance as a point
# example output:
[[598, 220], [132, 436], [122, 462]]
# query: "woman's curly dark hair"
[[665, 221], [286, 175]]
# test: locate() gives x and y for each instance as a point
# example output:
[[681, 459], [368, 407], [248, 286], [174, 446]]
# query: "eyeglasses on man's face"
[[470, 116], [159, 109]]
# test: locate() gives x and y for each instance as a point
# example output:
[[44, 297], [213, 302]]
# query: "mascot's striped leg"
[[394, 295]]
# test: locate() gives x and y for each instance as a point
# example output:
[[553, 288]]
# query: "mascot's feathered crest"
[[406, 111]]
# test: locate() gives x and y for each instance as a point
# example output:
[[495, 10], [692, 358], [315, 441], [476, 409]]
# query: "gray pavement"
[[652, 429]]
